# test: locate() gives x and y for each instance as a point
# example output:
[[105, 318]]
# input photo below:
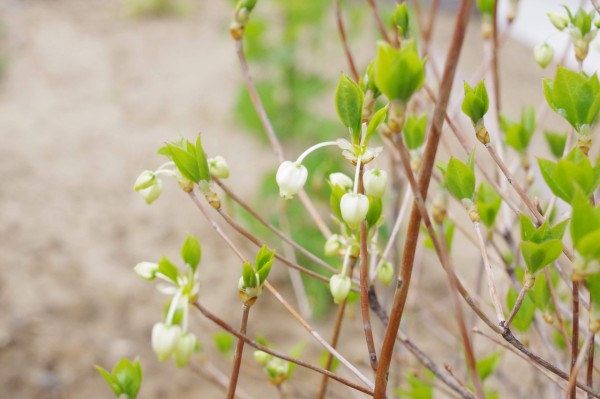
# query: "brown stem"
[[216, 376], [379, 21], [495, 72], [559, 317], [342, 31], [596, 5], [490, 276], [237, 358], [413, 228], [517, 306], [275, 353], [574, 336], [578, 363]]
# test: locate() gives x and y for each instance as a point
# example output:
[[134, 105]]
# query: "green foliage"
[[334, 361], [375, 121], [556, 142], [488, 204], [476, 103], [575, 96], [125, 378], [374, 212], [168, 269], [582, 20], [153, 8], [191, 252], [418, 388], [585, 227], [540, 246], [448, 235], [487, 365], [399, 73], [518, 135], [460, 179], [540, 293], [524, 316], [348, 104], [223, 342], [414, 131], [189, 159], [567, 175], [401, 19], [486, 6]]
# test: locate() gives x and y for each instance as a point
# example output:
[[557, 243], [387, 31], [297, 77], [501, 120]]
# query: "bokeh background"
[[88, 91]]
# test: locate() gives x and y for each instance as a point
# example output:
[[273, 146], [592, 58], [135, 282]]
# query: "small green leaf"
[[249, 275], [487, 365], [374, 212], [398, 72], [129, 376], [348, 104], [417, 388], [323, 361], [191, 251], [518, 135], [524, 316], [414, 131], [110, 380], [460, 179], [537, 256], [223, 342], [486, 6], [449, 235], [476, 102], [548, 170], [527, 227], [264, 258], [203, 170], [488, 204], [401, 19], [335, 199], [540, 293], [556, 142], [375, 121], [185, 162], [168, 269]]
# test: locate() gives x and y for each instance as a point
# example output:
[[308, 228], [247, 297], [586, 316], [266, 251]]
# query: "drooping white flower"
[[218, 167], [184, 349], [164, 340], [146, 270], [340, 285], [375, 181], [333, 245], [354, 208], [151, 194], [290, 177], [146, 179], [341, 180], [543, 54], [385, 272], [559, 21]]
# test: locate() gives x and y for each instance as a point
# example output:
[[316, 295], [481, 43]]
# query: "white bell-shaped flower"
[[290, 178], [341, 180], [184, 349], [340, 285], [385, 272], [164, 340], [559, 21], [543, 54], [146, 179], [375, 182], [218, 167], [354, 209], [146, 270], [151, 194]]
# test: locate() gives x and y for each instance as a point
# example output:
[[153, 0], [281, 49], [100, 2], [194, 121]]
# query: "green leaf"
[[375, 121], [110, 380], [476, 102], [418, 388], [537, 256], [585, 225], [460, 179], [575, 96], [323, 361], [398, 72], [488, 204], [249, 275], [264, 258], [191, 251], [486, 6], [487, 365], [348, 104], [129, 376], [545, 232], [168, 269], [548, 170], [449, 235], [414, 131], [556, 142], [518, 135], [527, 227], [401, 19], [374, 212], [524, 316], [203, 170], [185, 162], [334, 200], [223, 342], [540, 293]]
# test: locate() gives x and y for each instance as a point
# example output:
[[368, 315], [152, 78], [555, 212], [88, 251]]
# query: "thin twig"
[[570, 391], [559, 318], [239, 350], [275, 353], [379, 21], [490, 275], [574, 337], [216, 376], [596, 5], [340, 24], [415, 219]]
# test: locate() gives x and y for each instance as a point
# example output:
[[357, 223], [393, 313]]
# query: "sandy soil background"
[[86, 99]]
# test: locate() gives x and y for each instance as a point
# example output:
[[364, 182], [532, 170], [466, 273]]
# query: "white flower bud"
[[184, 349], [559, 21], [375, 181], [146, 179], [151, 193], [290, 178], [339, 285], [218, 167], [385, 272], [354, 208], [146, 270], [164, 340], [543, 54], [333, 245], [341, 180], [249, 295], [262, 358]]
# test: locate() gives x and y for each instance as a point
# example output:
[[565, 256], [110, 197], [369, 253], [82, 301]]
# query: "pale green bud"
[[152, 193], [184, 349], [385, 272], [290, 178], [543, 54], [341, 180], [375, 182], [146, 179], [354, 208], [218, 167], [262, 358], [339, 285], [559, 21], [146, 270], [333, 245], [164, 340]]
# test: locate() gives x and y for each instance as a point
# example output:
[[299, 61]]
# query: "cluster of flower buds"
[[172, 341], [240, 18], [218, 167], [340, 285], [149, 186], [580, 29], [277, 369], [251, 283], [543, 54]]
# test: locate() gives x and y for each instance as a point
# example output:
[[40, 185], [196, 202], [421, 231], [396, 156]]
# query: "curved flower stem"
[[275, 353], [415, 219], [313, 148], [237, 358]]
